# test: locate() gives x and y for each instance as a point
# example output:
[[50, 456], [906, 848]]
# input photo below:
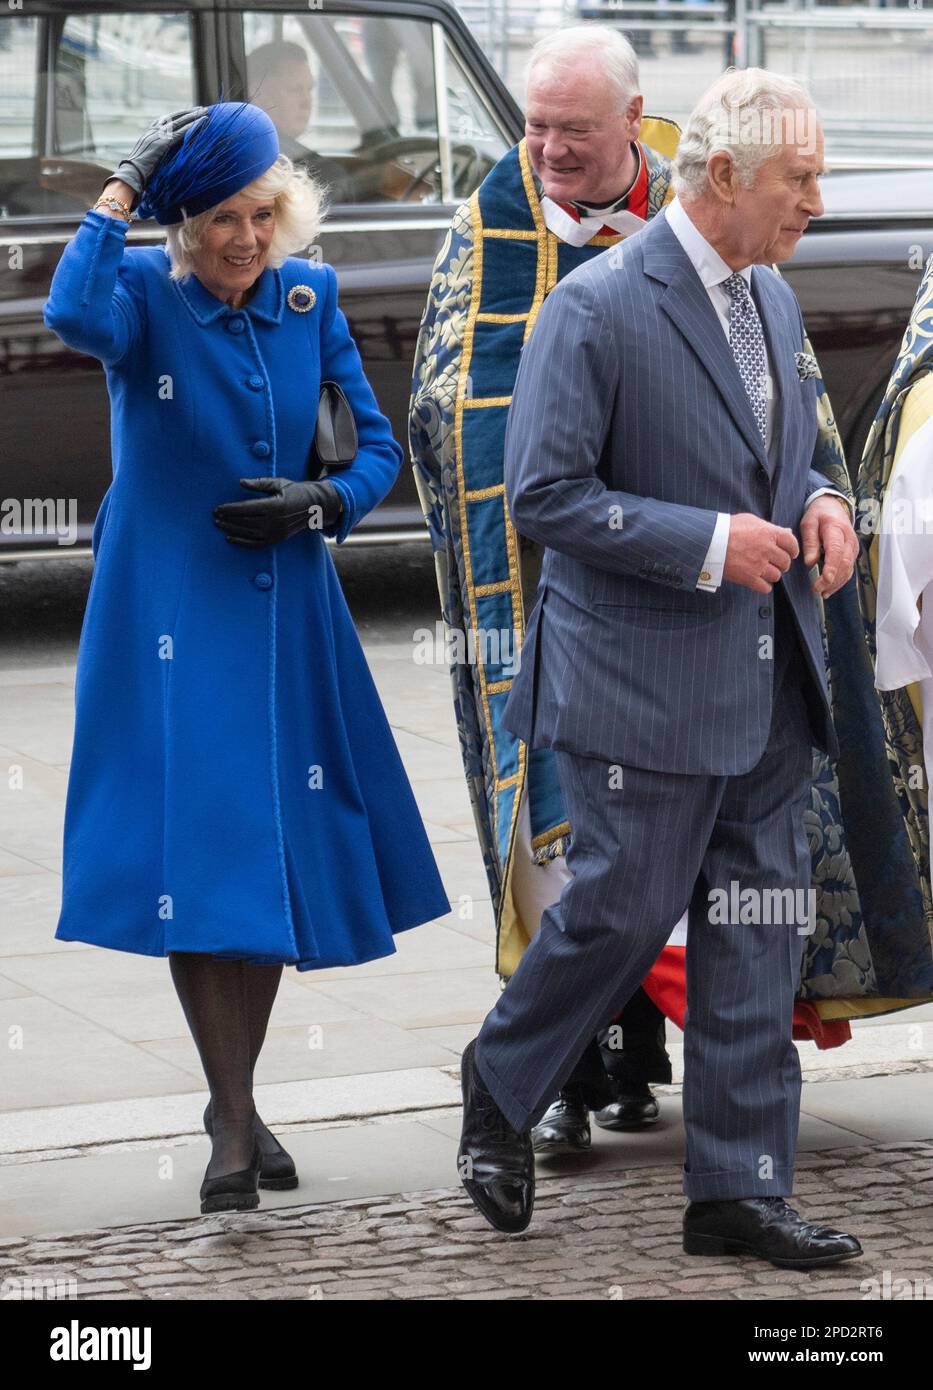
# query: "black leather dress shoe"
[[767, 1227], [496, 1163], [634, 1108], [563, 1128], [278, 1172], [233, 1191]]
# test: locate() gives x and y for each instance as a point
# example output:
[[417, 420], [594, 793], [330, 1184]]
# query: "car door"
[[395, 109], [80, 82], [406, 118]]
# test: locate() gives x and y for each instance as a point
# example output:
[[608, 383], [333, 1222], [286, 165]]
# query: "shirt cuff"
[[711, 571], [832, 492]]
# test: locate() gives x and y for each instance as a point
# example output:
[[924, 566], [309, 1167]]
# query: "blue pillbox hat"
[[220, 154]]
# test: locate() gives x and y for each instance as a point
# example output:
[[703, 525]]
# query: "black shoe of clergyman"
[[767, 1227], [564, 1127], [496, 1163], [634, 1108]]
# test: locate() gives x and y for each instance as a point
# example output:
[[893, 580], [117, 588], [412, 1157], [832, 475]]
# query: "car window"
[[477, 142], [78, 91], [355, 100]]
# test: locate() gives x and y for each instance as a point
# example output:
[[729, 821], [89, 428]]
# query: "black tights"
[[227, 1004]]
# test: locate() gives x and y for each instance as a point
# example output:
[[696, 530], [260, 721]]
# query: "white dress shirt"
[[714, 272]]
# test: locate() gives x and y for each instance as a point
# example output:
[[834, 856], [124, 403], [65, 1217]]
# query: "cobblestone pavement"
[[591, 1238]]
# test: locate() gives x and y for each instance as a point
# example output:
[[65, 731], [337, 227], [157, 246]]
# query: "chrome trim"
[[422, 224], [73, 552], [396, 537], [827, 18], [442, 111], [879, 222], [391, 224], [828, 220], [58, 552], [53, 238]]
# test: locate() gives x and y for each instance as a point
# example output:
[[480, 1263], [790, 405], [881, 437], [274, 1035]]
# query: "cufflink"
[[705, 576]]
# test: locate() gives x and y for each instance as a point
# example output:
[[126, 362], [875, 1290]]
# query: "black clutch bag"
[[335, 438]]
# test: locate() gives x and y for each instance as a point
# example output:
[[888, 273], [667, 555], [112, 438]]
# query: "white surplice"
[[904, 617]]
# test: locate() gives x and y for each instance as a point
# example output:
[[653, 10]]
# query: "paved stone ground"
[[591, 1238]]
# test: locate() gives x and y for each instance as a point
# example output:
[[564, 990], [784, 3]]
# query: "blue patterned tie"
[[747, 340]]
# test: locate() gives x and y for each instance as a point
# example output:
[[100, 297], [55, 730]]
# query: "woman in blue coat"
[[236, 801]]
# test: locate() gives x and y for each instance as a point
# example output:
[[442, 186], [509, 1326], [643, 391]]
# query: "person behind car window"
[[282, 84]]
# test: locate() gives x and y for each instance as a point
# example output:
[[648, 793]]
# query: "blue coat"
[[235, 787]]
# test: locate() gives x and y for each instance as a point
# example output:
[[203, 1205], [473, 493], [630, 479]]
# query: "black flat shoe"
[[277, 1172], [766, 1227], [233, 1191], [496, 1163], [564, 1128], [633, 1108]]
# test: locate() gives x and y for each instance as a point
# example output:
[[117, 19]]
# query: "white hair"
[[299, 212], [748, 113], [559, 52]]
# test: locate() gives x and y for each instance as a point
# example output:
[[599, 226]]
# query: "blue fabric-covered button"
[[235, 325], [255, 382], [261, 449], [263, 580]]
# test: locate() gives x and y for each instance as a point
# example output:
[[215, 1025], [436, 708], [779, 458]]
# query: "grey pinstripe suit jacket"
[[629, 429]]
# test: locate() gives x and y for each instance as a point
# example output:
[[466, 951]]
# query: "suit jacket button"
[[261, 449], [763, 473], [263, 581], [764, 611]]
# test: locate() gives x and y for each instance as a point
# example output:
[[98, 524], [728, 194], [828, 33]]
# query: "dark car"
[[393, 104]]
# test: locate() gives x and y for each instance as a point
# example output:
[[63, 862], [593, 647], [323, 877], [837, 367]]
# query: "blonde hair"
[[299, 212]]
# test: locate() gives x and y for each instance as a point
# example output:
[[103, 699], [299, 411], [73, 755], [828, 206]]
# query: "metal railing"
[[869, 68]]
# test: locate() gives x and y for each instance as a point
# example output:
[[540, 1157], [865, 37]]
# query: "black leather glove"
[[290, 508], [157, 141]]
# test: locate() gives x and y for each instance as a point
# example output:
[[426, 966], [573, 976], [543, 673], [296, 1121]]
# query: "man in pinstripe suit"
[[659, 444]]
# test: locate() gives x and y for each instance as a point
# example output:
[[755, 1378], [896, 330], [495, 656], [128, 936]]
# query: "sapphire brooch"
[[301, 298]]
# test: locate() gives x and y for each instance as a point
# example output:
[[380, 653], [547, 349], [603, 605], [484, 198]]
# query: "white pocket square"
[[806, 365]]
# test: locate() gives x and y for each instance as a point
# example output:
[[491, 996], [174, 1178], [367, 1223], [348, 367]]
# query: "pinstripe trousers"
[[646, 845]]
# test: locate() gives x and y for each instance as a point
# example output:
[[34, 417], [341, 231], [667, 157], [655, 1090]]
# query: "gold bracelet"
[[107, 200]]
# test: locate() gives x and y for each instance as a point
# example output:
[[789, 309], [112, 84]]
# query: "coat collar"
[[266, 304]]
